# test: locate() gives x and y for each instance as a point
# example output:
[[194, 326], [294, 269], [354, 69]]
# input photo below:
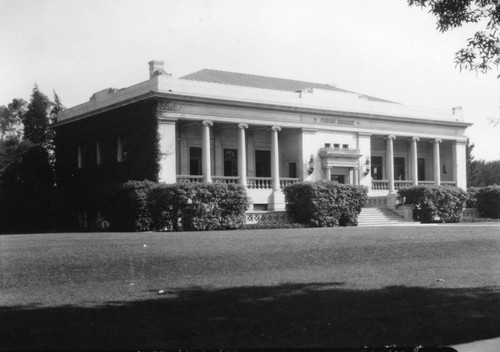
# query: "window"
[[119, 150], [195, 161], [292, 170], [230, 162], [399, 168], [376, 167], [98, 153], [79, 160], [262, 163], [345, 146], [336, 145], [327, 145], [421, 169]]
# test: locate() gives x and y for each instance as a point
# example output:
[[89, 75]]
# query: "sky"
[[382, 48]]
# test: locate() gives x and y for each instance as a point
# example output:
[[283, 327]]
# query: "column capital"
[[414, 139], [167, 120], [242, 126], [390, 137], [437, 140], [207, 123], [365, 134], [275, 128]]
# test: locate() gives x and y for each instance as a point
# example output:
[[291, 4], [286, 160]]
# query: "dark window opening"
[[376, 167], [262, 163], [230, 162], [292, 170], [195, 161], [399, 168], [421, 169]]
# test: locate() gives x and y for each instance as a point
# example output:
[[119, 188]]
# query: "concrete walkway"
[[492, 345]]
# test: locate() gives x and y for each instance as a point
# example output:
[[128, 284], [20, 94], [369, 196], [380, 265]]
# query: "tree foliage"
[[484, 173], [11, 119], [27, 163], [482, 51]]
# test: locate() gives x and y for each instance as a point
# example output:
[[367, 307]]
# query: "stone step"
[[375, 216]]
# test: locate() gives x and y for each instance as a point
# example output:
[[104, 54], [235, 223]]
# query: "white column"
[[328, 174], [275, 162], [413, 159], [356, 176], [436, 161], [390, 161], [205, 151], [460, 164], [364, 145], [242, 154], [166, 132], [278, 199]]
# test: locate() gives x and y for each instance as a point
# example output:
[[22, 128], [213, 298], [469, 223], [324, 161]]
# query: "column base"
[[277, 201]]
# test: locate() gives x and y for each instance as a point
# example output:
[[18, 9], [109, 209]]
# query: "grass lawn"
[[430, 285]]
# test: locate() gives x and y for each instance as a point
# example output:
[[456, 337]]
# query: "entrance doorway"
[[338, 179]]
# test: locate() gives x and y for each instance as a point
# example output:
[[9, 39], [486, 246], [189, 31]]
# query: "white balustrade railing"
[[449, 183], [402, 184], [426, 183], [189, 178], [259, 182], [380, 185], [225, 179], [285, 181]]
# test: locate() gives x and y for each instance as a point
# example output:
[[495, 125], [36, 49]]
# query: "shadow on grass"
[[293, 315]]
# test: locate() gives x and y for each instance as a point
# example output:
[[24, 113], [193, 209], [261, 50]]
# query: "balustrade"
[[225, 179], [285, 181], [259, 182], [402, 184], [189, 178]]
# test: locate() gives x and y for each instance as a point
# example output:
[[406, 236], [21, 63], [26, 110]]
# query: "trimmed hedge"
[[146, 205], [198, 206], [488, 202], [472, 201], [436, 203], [125, 206], [325, 203]]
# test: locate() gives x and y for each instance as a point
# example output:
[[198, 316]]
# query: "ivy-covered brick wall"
[[136, 125]]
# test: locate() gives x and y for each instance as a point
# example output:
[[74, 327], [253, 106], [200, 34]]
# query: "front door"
[[338, 178]]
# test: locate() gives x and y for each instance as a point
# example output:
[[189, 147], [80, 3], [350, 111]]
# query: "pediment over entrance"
[[339, 157]]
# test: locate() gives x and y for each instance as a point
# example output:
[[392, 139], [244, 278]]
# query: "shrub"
[[198, 206], [437, 202], [125, 206], [325, 203], [472, 200], [488, 202]]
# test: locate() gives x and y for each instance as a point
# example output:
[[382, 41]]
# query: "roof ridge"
[[262, 76], [266, 82]]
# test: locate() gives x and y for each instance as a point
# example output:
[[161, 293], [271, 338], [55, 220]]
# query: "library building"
[[260, 132]]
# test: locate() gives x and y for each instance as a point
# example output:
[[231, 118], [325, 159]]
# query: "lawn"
[[431, 285]]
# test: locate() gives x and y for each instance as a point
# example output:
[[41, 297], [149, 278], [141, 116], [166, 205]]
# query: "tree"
[[36, 119], [470, 163], [11, 119], [27, 192], [483, 48]]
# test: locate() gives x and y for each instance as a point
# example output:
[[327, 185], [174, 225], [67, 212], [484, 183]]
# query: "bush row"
[[325, 203], [488, 202], [145, 205], [436, 203]]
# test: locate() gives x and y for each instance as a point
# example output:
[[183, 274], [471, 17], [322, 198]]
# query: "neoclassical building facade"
[[261, 132]]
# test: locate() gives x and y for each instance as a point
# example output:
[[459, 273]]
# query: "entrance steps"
[[374, 216]]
